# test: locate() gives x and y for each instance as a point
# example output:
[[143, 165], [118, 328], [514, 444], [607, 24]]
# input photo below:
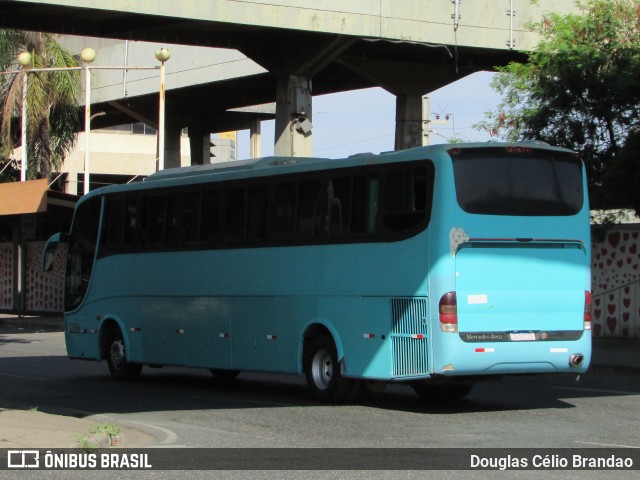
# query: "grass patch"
[[106, 428]]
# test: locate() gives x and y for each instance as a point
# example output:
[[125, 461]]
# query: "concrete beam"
[[486, 24]]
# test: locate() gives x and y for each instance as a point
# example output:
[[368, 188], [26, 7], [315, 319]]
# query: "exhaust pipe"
[[576, 359]]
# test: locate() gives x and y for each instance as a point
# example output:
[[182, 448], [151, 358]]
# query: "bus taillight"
[[587, 310], [448, 309]]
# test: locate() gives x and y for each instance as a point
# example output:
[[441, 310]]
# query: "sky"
[[359, 121]]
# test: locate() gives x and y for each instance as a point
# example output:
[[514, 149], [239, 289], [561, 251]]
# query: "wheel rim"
[[322, 369], [118, 356]]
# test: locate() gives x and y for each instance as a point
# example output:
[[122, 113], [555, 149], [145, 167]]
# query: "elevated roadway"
[[295, 49]]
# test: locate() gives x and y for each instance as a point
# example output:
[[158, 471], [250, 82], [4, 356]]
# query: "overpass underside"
[[409, 48]]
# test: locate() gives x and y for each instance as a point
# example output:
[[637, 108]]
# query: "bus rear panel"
[[516, 278]]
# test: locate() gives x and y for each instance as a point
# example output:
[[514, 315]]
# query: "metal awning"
[[33, 196]]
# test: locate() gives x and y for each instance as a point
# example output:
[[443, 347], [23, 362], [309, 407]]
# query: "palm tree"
[[52, 113]]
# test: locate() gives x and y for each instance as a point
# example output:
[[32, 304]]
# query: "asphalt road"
[[189, 407]]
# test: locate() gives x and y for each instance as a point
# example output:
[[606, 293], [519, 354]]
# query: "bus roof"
[[275, 165]]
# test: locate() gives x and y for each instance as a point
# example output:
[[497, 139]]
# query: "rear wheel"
[[322, 370], [119, 366]]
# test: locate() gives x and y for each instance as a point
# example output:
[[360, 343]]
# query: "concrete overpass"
[[294, 49]]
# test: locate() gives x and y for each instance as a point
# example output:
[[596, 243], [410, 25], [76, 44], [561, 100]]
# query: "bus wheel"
[[119, 367], [224, 374], [442, 394], [323, 373]]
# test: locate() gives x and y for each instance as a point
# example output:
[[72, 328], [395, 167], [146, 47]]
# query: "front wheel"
[[322, 370], [119, 366]]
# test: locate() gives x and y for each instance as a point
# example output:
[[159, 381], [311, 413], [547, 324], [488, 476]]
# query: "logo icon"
[[23, 459]]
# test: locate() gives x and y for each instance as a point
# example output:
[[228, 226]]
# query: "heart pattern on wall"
[[615, 280], [6, 276]]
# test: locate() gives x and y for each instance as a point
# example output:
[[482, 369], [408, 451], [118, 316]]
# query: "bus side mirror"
[[50, 250]]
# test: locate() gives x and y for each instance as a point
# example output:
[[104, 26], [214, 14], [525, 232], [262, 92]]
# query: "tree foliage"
[[579, 89], [52, 114]]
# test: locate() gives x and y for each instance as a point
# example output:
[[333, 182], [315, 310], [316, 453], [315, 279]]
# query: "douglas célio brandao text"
[[551, 461]]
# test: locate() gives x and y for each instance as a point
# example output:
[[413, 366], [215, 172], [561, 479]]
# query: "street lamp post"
[[87, 55], [24, 59], [162, 55]]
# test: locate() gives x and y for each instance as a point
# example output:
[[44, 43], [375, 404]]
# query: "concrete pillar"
[[255, 132], [71, 184], [172, 146], [293, 117], [199, 144], [409, 121]]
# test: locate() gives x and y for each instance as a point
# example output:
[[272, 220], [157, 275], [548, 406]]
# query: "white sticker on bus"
[[477, 299]]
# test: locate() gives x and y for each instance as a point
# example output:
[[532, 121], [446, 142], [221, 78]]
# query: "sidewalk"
[[35, 429], [26, 428]]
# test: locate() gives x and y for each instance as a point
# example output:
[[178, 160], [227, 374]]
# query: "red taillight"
[[448, 309], [587, 310], [526, 150]]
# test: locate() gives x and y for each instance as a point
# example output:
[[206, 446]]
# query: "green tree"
[[579, 89], [52, 110]]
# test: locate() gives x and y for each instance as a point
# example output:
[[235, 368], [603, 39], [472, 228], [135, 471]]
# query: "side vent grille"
[[409, 336]]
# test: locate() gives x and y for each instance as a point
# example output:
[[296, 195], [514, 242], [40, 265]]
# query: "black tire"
[[224, 374], [119, 366], [322, 370], [442, 394]]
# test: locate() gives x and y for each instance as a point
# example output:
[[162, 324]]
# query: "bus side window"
[[309, 195], [172, 219], [189, 231], [131, 214], [114, 231], [284, 210], [156, 219], [338, 216], [364, 205], [142, 225], [210, 216], [235, 211], [407, 199], [257, 212]]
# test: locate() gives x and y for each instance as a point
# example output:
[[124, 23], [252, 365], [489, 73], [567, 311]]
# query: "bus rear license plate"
[[522, 337]]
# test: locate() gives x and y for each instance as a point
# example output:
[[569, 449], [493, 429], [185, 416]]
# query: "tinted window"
[[338, 216], [309, 208], [210, 216], [284, 210], [367, 203], [157, 219], [189, 231], [82, 249], [114, 232], [258, 210], [407, 198], [537, 184], [131, 215], [235, 201]]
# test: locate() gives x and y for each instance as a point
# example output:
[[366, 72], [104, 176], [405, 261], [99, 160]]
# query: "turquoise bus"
[[438, 266]]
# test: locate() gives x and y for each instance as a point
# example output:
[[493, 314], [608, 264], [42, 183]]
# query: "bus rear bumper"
[[517, 358]]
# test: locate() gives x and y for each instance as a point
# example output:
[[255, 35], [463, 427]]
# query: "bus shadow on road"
[[59, 385]]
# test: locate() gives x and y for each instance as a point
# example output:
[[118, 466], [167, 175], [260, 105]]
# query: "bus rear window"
[[541, 183]]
